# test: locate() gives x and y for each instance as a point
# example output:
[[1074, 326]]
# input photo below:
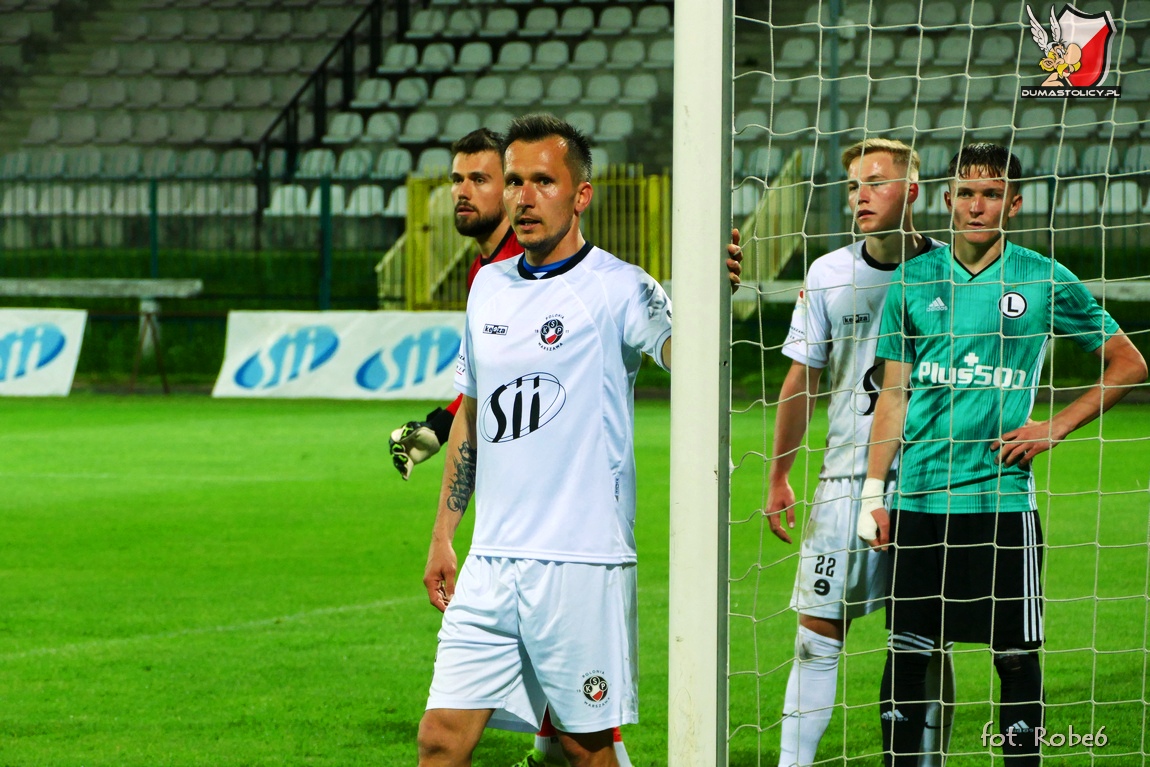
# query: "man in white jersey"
[[835, 326], [543, 613]]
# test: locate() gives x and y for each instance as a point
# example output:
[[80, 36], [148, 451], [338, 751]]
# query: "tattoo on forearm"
[[463, 483]]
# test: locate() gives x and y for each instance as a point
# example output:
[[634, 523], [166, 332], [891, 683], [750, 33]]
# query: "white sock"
[[810, 697], [621, 754], [550, 746], [939, 718]]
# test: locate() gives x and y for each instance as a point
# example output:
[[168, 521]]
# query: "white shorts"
[[521, 635], [839, 576]]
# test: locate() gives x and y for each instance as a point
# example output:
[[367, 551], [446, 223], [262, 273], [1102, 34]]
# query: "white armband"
[[873, 497]]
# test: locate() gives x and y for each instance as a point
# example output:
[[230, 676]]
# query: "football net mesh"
[[809, 81]]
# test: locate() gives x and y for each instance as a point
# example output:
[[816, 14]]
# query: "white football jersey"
[[551, 361], [835, 325]]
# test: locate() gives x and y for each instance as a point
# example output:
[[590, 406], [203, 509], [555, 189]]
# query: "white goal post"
[[700, 386]]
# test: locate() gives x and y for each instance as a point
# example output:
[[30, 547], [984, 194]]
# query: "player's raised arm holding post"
[[835, 328], [964, 332]]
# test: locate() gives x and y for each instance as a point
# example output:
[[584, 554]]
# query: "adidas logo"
[[1019, 727], [936, 306], [894, 716]]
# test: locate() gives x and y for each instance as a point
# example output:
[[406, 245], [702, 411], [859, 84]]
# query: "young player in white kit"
[[835, 326], [543, 613]]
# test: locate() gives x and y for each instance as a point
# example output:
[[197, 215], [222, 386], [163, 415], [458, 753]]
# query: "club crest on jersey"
[[520, 407], [595, 689], [551, 334], [1012, 305]]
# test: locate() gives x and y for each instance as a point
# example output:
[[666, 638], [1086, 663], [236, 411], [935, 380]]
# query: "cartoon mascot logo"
[[1076, 53]]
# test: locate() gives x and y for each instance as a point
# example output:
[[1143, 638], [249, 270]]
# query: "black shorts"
[[967, 577]]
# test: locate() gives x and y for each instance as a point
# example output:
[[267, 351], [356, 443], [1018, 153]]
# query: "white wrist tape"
[[873, 497]]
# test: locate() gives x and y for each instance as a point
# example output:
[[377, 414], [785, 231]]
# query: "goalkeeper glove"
[[416, 441], [873, 494]]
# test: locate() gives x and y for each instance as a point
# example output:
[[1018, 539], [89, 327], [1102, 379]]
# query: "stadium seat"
[[353, 164], [398, 59], [808, 90], [151, 128], [771, 91], [640, 88], [582, 120], [1078, 198], [1026, 157], [199, 163], [253, 93], [206, 200], [498, 121], [752, 124], [602, 89], [77, 129], [179, 94], [876, 51], [1079, 122], [458, 125], [563, 90], [500, 22], [463, 24], [488, 91], [409, 92], [365, 201], [14, 165], [873, 120], [273, 27], [189, 127], [204, 25], [616, 125], [627, 54], [236, 163], [316, 163], [1122, 198], [745, 198], [1124, 123], [420, 128], [55, 200], [83, 163], [935, 199], [219, 93], [994, 51], [288, 200], [825, 125], [980, 14], [338, 201], [166, 27], [176, 60], [158, 163], [900, 15], [381, 128], [614, 20], [939, 15], [797, 52], [589, 54], [934, 90], [132, 29], [74, 95], [660, 54], [237, 26], [474, 57], [788, 123], [1099, 159], [577, 21], [1035, 197], [600, 160], [136, 60], [208, 60], [47, 165], [436, 160], [447, 92], [1137, 159], [550, 55], [524, 91], [913, 50], [895, 90], [919, 119], [93, 200], [427, 23], [764, 162], [1035, 122], [854, 89], [437, 57], [18, 200], [109, 94], [372, 94], [653, 20], [513, 57], [114, 129], [933, 158], [246, 59], [103, 62], [994, 124], [344, 128], [394, 163], [397, 203], [540, 22], [950, 123], [284, 60], [130, 200], [144, 93]]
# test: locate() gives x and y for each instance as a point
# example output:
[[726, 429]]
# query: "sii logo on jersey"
[[520, 407]]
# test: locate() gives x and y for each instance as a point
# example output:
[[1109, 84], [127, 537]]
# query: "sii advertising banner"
[[38, 351], [341, 355]]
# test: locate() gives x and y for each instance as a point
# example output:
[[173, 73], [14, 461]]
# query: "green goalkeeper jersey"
[[975, 345]]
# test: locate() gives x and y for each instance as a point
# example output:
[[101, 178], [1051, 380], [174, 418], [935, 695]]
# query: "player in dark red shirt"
[[477, 191]]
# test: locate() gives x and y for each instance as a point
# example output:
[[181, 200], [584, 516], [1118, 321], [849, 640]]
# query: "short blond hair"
[[902, 153]]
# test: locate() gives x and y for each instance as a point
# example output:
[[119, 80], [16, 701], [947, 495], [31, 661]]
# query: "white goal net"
[[810, 79]]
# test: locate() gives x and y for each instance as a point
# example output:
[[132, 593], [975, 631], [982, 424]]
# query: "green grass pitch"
[[186, 581]]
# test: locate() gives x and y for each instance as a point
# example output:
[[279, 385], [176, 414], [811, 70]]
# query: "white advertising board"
[[341, 355], [39, 349]]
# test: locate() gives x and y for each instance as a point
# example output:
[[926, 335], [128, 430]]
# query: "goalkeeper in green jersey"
[[964, 332]]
